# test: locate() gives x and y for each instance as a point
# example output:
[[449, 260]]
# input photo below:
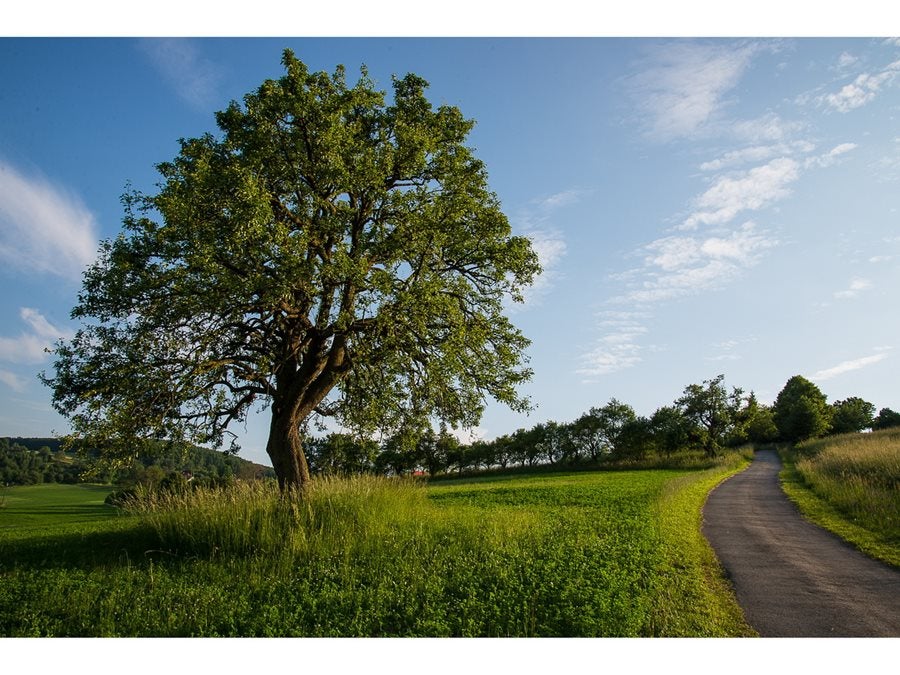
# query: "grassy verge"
[[850, 485], [586, 554], [695, 598]]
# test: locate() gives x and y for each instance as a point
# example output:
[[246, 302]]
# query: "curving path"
[[792, 578]]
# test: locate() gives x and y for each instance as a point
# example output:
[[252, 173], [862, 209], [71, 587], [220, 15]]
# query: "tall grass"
[[331, 515], [858, 474]]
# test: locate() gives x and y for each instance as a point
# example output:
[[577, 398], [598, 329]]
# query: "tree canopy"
[[330, 253], [886, 419], [801, 410], [852, 414], [712, 408]]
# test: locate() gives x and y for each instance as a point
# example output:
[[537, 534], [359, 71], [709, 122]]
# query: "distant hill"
[[35, 443], [25, 461]]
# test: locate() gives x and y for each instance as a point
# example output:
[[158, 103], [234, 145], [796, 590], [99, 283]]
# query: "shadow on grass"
[[132, 544], [68, 511]]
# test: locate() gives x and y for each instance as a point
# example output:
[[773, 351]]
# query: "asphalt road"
[[792, 578]]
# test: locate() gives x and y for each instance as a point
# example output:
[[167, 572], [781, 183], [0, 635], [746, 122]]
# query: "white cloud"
[[756, 153], [30, 346], [44, 228], [617, 348], [12, 380], [751, 190], [727, 349], [564, 198], [768, 128], [856, 286], [681, 265], [682, 86], [845, 60], [862, 90], [547, 241], [195, 79], [550, 248], [831, 157], [848, 366], [40, 326]]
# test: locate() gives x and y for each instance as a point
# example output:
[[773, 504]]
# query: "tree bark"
[[286, 450]]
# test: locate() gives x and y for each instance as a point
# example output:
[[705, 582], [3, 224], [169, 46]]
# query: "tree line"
[[30, 461], [23, 465], [705, 419]]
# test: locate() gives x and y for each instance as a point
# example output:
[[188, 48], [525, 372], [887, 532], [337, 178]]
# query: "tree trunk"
[[286, 451]]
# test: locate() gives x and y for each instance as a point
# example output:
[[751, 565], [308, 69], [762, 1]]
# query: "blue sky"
[[701, 206]]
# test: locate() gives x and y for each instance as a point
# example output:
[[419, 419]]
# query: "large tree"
[[330, 253]]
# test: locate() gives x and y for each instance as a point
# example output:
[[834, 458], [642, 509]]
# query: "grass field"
[[586, 554], [850, 484], [53, 505]]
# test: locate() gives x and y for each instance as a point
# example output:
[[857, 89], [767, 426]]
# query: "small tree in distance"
[[851, 414], [801, 411], [330, 255], [886, 419], [711, 407]]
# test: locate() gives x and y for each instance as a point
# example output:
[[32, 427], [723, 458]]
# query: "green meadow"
[[613, 553], [53, 505]]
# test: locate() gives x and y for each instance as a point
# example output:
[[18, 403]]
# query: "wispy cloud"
[[749, 191], [195, 79], [617, 348], [756, 153], [44, 228], [831, 157], [727, 350], [29, 347], [550, 248], [564, 198], [12, 380], [848, 366], [846, 60], [862, 90], [768, 128], [548, 242], [681, 265], [855, 288], [682, 86]]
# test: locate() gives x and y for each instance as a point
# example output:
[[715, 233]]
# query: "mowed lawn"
[[583, 554]]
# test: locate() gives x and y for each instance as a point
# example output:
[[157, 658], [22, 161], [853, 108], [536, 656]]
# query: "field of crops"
[[582, 554]]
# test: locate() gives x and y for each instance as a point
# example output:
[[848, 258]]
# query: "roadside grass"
[[850, 485], [583, 554], [695, 598]]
